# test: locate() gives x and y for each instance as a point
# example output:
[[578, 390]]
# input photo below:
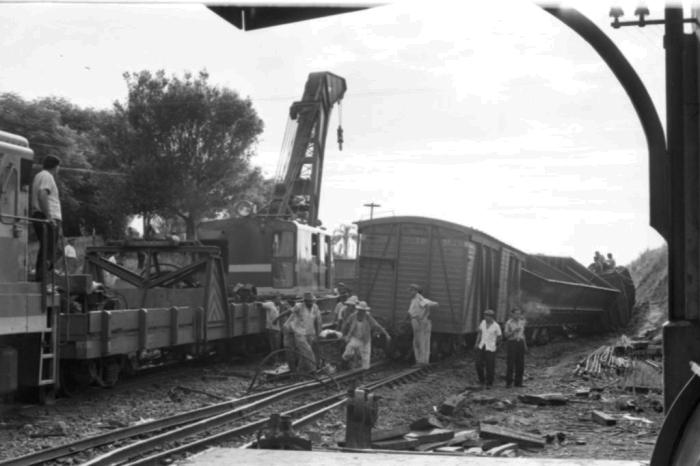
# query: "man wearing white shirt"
[[419, 314], [487, 341], [46, 207]]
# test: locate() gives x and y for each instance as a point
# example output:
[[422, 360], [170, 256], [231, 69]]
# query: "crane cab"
[[273, 254]]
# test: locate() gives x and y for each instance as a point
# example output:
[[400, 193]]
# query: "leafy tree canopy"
[[185, 145]]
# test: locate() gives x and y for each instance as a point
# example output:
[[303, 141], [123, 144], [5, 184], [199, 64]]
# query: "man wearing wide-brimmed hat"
[[358, 334], [487, 340], [419, 313], [346, 311]]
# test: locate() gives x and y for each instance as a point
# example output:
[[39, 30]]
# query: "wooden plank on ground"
[[431, 436], [431, 446], [544, 399], [396, 444], [603, 418], [521, 438], [500, 450], [386, 434]]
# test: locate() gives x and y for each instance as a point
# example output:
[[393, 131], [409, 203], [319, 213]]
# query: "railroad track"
[[302, 415], [216, 413]]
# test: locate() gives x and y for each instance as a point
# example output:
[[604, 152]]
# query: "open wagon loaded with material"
[[173, 307], [468, 271]]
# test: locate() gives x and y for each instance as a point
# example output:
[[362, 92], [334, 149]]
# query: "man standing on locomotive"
[[486, 345], [515, 347], [46, 206], [419, 313], [358, 333]]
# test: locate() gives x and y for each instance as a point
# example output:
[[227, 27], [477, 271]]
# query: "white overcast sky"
[[490, 114]]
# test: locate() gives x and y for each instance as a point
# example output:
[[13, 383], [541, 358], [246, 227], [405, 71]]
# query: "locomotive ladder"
[[48, 361]]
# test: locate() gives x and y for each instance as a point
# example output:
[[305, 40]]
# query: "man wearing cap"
[[419, 313], [46, 207], [486, 345], [358, 333], [515, 347], [346, 311]]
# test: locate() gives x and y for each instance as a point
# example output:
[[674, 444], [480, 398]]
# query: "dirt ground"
[[549, 369]]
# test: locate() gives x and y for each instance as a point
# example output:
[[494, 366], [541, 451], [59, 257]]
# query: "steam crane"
[[282, 248], [297, 195]]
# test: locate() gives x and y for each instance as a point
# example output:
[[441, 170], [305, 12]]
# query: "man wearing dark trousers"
[[515, 347], [487, 341], [46, 206]]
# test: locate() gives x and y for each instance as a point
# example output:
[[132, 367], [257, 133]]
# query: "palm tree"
[[342, 236]]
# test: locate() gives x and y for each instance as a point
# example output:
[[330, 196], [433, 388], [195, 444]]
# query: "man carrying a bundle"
[[357, 332]]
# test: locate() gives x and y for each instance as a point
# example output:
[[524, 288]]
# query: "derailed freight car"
[[468, 271], [465, 270]]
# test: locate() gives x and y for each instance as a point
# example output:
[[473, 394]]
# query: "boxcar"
[[468, 271], [465, 270]]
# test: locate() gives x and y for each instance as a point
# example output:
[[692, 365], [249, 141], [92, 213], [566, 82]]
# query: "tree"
[[342, 236], [186, 146], [56, 127]]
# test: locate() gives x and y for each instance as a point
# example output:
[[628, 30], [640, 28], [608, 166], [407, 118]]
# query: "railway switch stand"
[[280, 436], [361, 411]]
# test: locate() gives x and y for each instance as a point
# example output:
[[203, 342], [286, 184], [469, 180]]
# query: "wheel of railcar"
[[46, 395], [110, 372], [540, 336], [75, 377]]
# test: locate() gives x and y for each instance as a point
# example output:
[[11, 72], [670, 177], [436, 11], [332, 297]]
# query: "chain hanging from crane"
[[340, 125]]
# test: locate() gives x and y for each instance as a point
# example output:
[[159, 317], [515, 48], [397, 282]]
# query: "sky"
[[492, 115]]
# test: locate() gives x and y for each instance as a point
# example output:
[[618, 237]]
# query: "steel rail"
[[322, 407], [203, 423], [262, 398]]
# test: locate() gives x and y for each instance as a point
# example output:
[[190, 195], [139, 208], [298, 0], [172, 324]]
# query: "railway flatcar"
[[467, 271]]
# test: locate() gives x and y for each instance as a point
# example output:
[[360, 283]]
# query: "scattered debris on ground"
[[556, 414]]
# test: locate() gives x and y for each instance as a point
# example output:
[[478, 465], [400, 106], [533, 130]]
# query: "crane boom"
[[297, 196]]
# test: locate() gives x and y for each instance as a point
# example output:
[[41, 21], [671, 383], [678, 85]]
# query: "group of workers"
[[488, 340], [601, 263], [298, 327]]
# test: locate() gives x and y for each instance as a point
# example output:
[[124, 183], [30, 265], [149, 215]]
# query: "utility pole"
[[371, 206]]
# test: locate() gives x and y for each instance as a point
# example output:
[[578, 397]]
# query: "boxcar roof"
[[433, 221]]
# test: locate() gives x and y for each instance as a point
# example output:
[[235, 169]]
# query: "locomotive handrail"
[[21, 217]]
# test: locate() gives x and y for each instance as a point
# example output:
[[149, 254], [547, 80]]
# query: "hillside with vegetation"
[[650, 274]]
